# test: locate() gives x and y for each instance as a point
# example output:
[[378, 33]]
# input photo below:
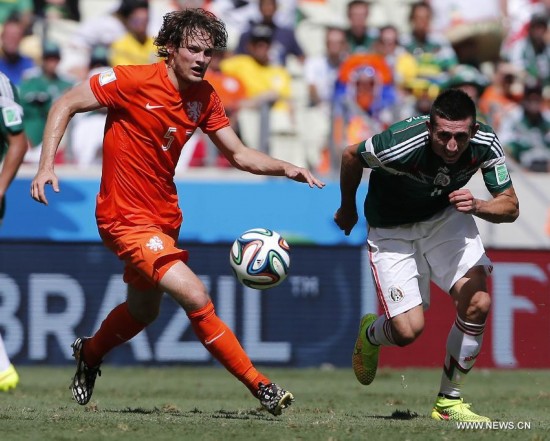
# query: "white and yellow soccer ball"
[[260, 258]]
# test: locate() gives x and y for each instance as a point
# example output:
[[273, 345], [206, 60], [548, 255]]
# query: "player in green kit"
[[422, 228], [13, 146]]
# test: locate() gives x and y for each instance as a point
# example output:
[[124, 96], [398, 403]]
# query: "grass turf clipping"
[[207, 403]]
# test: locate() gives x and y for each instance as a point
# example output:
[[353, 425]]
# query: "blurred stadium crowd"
[[301, 78]]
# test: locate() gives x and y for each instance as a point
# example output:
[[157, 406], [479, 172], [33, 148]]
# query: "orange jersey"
[[147, 126]]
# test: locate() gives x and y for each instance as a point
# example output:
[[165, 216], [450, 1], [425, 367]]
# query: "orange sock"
[[117, 328], [220, 341]]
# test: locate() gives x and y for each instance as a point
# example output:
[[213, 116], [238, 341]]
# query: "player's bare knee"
[[479, 306], [192, 297], [406, 333], [406, 337]]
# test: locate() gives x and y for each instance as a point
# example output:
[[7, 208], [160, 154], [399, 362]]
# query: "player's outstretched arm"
[[256, 162], [79, 99], [351, 172]]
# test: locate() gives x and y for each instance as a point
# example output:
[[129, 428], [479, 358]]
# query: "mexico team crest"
[[442, 180], [396, 294]]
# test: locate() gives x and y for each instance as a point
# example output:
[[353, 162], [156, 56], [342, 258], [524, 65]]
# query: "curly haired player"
[[152, 111]]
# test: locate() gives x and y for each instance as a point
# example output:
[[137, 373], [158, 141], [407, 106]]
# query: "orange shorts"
[[147, 251]]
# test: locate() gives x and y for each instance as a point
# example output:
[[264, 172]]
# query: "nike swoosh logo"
[[212, 340], [150, 107]]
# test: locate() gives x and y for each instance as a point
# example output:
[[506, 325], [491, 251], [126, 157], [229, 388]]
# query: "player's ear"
[[429, 126]]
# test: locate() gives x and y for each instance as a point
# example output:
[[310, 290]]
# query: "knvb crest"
[[194, 110], [155, 244]]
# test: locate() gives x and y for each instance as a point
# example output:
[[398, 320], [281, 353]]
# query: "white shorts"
[[404, 259]]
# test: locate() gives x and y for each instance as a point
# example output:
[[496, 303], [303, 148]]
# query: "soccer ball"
[[260, 259]]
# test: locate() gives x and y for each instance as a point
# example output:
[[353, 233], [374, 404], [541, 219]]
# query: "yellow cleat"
[[446, 409], [365, 355], [8, 379]]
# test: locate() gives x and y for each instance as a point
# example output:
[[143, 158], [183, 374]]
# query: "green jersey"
[[11, 121], [410, 183], [434, 55], [38, 92]]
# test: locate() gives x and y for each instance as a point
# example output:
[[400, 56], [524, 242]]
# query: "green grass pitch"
[[206, 403]]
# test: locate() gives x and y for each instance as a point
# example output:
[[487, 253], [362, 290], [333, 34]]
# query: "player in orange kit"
[[152, 111]]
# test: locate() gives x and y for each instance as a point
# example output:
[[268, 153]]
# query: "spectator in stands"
[[135, 46], [284, 42], [264, 82], [532, 53], [361, 117], [359, 35], [364, 99], [12, 62], [102, 30], [41, 86], [230, 88], [525, 132], [57, 9], [502, 95], [99, 60], [470, 80], [402, 64], [433, 53], [23, 9], [86, 130], [237, 14], [157, 11], [474, 28], [320, 74], [418, 95]]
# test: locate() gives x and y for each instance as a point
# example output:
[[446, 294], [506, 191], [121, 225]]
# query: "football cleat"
[[274, 398], [446, 409], [83, 382], [8, 379], [365, 355]]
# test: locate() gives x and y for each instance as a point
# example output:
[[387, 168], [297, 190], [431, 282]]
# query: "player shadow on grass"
[[220, 414], [397, 415]]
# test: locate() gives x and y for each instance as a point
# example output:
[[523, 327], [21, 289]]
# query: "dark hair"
[[354, 3], [261, 32], [453, 105], [417, 5], [532, 87], [128, 6], [180, 26]]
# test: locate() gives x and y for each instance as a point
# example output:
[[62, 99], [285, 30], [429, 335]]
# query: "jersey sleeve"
[[496, 176], [368, 150], [107, 86], [495, 173], [12, 111], [216, 118]]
